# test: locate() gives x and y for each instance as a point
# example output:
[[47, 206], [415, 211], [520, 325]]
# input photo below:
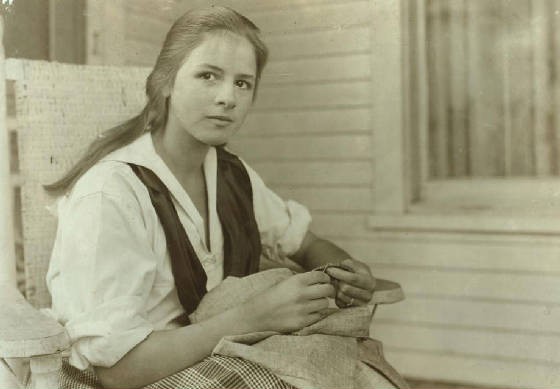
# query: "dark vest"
[[242, 244]]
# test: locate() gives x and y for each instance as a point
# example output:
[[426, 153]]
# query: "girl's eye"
[[209, 76], [243, 84]]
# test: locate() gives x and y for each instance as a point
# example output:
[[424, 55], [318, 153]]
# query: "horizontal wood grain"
[[316, 122], [349, 67], [320, 43], [472, 370], [309, 173], [335, 148], [327, 16], [329, 198], [540, 318], [480, 256], [507, 287], [530, 348], [316, 95]]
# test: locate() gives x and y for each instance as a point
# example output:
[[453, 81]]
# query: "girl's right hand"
[[291, 304]]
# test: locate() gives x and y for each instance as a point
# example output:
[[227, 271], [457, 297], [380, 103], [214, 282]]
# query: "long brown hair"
[[185, 34]]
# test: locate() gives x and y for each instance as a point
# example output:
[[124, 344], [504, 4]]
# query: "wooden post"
[[7, 248]]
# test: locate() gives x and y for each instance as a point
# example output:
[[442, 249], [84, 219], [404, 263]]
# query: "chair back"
[[60, 109]]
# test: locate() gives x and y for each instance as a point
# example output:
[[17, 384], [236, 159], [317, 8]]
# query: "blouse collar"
[[142, 152]]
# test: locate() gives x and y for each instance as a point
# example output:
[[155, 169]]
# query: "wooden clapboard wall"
[[480, 308]]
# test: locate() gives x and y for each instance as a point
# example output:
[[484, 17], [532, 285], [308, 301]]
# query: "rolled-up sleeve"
[[102, 272], [282, 224]]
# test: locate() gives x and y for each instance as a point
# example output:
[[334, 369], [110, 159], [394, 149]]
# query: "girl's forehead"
[[226, 50]]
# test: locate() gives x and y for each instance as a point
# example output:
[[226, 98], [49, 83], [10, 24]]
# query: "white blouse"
[[110, 272]]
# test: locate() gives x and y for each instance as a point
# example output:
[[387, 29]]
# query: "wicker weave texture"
[[60, 109]]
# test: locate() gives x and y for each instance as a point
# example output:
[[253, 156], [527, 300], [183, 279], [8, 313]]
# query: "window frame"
[[404, 198]]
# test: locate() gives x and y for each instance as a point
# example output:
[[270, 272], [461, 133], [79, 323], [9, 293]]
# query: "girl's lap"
[[214, 372]]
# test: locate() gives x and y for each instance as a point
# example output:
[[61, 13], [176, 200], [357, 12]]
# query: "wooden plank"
[[146, 27], [538, 318], [339, 224], [324, 17], [480, 256], [541, 90], [248, 7], [8, 259], [140, 53], [267, 124], [328, 148], [387, 103], [423, 103], [329, 199], [524, 196], [314, 173], [165, 11], [528, 348], [486, 87], [518, 90], [472, 370], [463, 224], [555, 10], [348, 67], [439, 80], [320, 43], [313, 96], [536, 289], [282, 17], [458, 133]]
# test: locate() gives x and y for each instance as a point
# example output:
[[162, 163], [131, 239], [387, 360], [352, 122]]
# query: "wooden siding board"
[[456, 253], [321, 43], [328, 199], [348, 67], [311, 96], [329, 16], [542, 318], [139, 53], [146, 28], [341, 147], [533, 289], [310, 173], [317, 122], [473, 369], [531, 348]]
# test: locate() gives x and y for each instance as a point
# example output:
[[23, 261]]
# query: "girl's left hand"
[[355, 285]]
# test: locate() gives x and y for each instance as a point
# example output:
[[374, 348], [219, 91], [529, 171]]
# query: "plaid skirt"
[[214, 372]]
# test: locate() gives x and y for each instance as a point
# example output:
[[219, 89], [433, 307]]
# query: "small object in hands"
[[324, 268]]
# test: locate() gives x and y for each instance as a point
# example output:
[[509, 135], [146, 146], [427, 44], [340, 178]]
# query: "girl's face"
[[214, 88]]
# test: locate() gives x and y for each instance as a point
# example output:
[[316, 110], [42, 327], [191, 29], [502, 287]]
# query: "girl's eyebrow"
[[220, 70]]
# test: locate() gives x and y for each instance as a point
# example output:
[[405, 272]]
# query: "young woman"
[[121, 277]]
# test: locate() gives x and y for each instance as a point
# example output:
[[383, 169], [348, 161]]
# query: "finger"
[[353, 265], [359, 280], [319, 291], [353, 292], [314, 277], [317, 305], [344, 301]]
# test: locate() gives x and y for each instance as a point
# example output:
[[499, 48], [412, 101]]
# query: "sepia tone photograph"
[[280, 194]]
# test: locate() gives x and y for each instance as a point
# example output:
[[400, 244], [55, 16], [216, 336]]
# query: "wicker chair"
[[60, 108]]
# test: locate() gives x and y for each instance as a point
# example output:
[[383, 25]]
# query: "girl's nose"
[[226, 96]]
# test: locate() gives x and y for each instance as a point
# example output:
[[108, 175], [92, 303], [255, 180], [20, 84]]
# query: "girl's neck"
[[182, 153]]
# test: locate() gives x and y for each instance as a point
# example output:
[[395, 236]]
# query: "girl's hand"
[[355, 285], [292, 304]]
